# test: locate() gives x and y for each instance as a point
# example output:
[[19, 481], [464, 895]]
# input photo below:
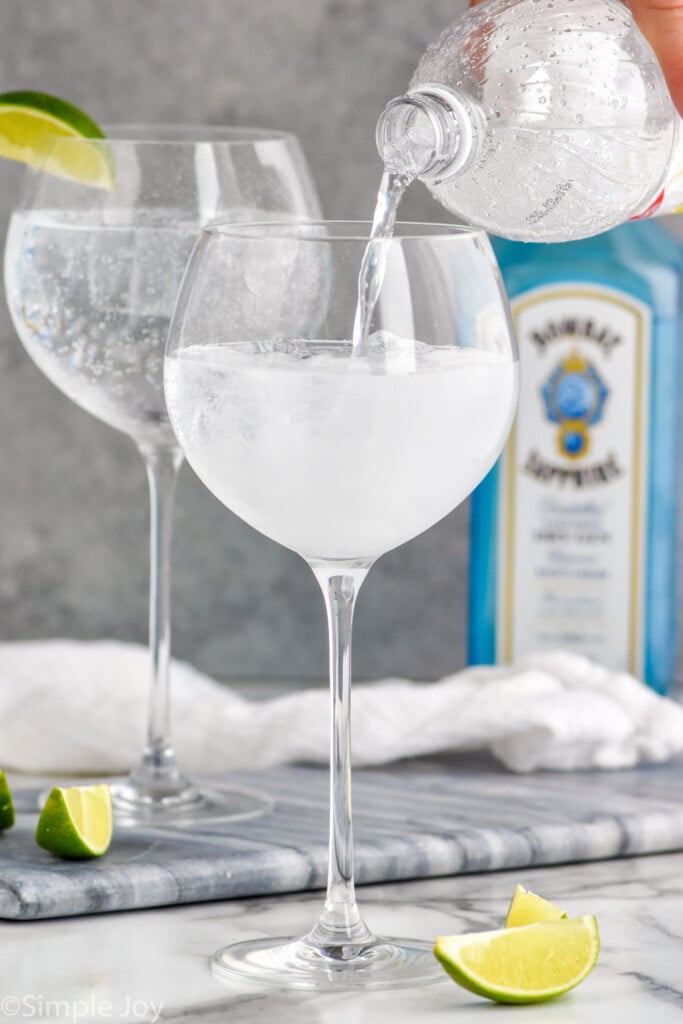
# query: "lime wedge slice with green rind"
[[528, 908], [528, 964], [76, 822], [6, 805], [34, 129]]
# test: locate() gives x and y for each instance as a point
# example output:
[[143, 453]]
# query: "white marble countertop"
[[154, 964]]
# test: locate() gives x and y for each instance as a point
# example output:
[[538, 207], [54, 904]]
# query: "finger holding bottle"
[[661, 22]]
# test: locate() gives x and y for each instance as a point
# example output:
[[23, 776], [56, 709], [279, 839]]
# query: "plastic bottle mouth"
[[425, 134], [408, 136]]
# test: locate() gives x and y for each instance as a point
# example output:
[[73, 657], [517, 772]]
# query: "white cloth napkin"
[[67, 706]]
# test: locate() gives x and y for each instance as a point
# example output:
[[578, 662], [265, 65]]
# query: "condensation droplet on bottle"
[[579, 118]]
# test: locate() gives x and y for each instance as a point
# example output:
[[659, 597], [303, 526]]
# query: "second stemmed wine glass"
[[340, 454], [92, 275]]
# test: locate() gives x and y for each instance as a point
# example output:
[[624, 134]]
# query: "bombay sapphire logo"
[[574, 397]]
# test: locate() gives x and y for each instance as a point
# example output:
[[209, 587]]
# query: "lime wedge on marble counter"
[[528, 908], [527, 964], [76, 822], [6, 805], [39, 130]]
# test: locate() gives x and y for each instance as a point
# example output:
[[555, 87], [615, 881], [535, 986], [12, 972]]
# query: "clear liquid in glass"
[[92, 304], [338, 457]]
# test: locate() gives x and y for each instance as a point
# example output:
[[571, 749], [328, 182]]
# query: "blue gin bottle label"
[[573, 481]]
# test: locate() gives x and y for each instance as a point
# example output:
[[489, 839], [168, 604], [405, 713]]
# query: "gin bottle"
[[574, 531]]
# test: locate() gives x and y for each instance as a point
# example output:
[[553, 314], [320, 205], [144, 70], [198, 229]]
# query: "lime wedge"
[[528, 908], [35, 129], [6, 805], [529, 964], [76, 822]]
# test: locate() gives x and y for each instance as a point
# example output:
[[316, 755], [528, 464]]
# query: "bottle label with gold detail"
[[573, 487]]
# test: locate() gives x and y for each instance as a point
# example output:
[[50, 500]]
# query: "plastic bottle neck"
[[429, 133]]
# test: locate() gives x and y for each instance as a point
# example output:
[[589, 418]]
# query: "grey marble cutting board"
[[412, 820]]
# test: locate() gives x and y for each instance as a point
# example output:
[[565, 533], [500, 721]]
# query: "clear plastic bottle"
[[540, 120]]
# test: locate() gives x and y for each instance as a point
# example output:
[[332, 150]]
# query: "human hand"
[[661, 22]]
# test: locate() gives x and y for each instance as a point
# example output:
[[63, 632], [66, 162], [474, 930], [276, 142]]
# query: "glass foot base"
[[292, 963], [190, 807]]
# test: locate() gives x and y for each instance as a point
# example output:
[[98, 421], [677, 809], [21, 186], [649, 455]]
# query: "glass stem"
[[340, 931], [157, 775]]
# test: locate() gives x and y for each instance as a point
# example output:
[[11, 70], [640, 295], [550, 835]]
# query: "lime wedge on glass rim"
[[527, 964], [76, 822], [43, 131], [6, 805]]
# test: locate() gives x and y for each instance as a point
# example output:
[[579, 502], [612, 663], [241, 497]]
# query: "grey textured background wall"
[[73, 501]]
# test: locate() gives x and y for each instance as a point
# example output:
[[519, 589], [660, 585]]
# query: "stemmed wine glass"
[[339, 454], [92, 275]]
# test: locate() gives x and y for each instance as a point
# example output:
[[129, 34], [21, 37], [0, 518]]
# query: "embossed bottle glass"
[[340, 454], [91, 277]]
